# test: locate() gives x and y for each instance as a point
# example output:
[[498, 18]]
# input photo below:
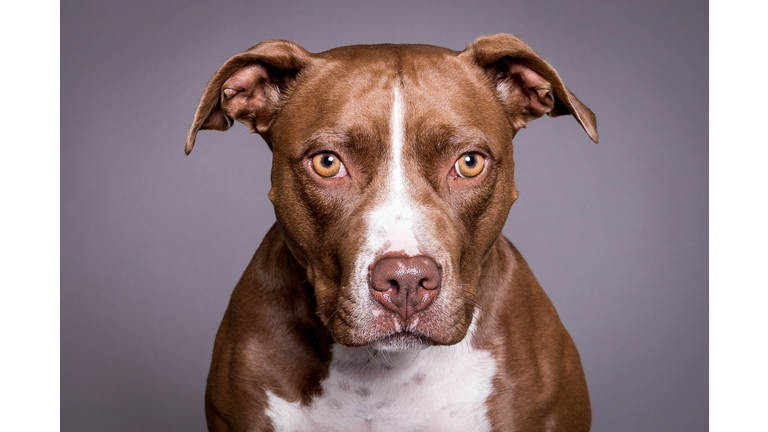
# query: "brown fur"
[[293, 301]]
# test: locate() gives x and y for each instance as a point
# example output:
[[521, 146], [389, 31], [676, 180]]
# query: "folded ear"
[[248, 88], [526, 85]]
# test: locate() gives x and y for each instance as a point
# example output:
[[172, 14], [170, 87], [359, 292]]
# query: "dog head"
[[392, 172]]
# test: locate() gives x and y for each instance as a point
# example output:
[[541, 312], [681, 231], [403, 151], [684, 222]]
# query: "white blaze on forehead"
[[392, 221]]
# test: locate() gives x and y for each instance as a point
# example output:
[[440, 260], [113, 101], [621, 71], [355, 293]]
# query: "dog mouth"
[[404, 340]]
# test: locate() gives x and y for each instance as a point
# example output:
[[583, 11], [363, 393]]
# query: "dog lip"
[[404, 340]]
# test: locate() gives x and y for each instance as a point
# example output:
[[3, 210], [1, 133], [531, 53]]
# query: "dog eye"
[[469, 165], [328, 165]]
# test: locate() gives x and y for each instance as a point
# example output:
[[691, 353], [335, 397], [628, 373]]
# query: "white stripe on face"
[[396, 215], [396, 223], [390, 223]]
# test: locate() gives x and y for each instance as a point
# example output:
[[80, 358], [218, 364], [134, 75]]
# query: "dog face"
[[392, 173]]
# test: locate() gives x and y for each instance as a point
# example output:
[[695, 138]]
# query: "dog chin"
[[401, 342]]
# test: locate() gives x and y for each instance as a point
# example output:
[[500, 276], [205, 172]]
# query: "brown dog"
[[385, 298]]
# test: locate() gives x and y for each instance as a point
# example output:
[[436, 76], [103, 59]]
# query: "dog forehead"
[[349, 93]]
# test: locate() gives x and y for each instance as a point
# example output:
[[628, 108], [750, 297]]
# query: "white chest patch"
[[438, 389]]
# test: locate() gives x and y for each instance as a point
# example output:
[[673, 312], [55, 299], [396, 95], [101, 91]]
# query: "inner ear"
[[248, 92], [248, 88], [525, 94], [248, 96], [526, 85]]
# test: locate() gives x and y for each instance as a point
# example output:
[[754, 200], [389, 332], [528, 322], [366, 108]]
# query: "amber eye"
[[470, 165], [328, 165]]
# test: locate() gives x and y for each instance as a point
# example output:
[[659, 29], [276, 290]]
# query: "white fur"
[[392, 223], [437, 389], [395, 216], [397, 223]]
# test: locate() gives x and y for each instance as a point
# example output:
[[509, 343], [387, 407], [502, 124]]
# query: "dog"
[[385, 297]]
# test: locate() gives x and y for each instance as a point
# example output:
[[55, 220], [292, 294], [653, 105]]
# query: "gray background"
[[152, 242]]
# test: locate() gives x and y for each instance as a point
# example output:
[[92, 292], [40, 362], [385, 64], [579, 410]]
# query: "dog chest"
[[441, 388]]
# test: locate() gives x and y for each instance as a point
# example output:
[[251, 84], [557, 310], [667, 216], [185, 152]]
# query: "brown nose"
[[405, 285]]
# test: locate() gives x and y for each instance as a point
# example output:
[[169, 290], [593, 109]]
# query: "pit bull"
[[385, 297]]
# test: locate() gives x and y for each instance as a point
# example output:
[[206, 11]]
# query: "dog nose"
[[405, 285]]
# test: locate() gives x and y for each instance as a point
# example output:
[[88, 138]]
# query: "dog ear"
[[527, 86], [247, 88]]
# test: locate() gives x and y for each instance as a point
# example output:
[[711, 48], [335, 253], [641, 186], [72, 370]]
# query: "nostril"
[[429, 284]]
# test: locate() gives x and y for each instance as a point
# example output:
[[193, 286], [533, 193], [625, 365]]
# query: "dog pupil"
[[328, 160], [470, 160]]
